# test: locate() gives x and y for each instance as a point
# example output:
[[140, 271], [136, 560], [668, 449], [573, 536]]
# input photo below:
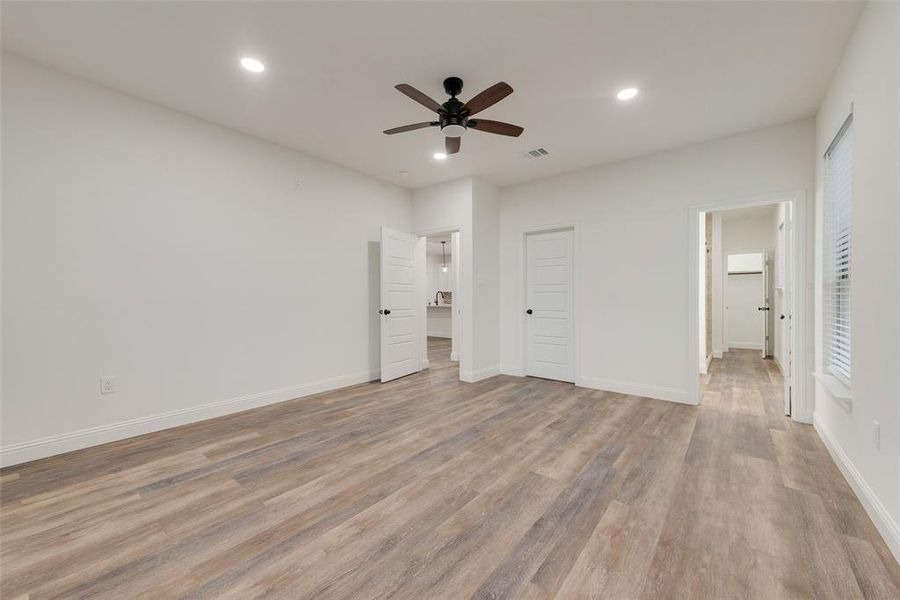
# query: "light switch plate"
[[108, 385]]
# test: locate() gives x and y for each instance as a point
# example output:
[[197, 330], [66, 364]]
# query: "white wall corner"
[[883, 521], [657, 392], [479, 374], [85, 438]]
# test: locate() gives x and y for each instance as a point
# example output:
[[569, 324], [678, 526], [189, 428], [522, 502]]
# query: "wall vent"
[[536, 153]]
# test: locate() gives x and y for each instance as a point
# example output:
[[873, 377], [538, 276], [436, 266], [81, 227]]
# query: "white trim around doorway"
[[802, 307], [576, 302], [460, 305]]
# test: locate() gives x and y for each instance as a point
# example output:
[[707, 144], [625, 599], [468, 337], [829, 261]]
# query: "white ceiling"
[[750, 213], [705, 70]]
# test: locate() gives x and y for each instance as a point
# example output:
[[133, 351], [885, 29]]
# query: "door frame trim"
[[576, 288], [802, 297]]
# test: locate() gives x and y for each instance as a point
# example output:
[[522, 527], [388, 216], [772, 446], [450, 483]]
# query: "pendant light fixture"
[[444, 266]]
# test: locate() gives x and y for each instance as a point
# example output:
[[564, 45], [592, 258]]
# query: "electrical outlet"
[[108, 385], [876, 435]]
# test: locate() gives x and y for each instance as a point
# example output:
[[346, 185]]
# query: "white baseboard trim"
[[478, 375], [883, 521], [454, 356], [425, 363], [656, 392], [14, 454], [745, 345], [704, 364], [514, 370], [717, 354], [439, 335]]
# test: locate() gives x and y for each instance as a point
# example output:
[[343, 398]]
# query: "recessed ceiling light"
[[253, 65], [439, 156], [627, 93]]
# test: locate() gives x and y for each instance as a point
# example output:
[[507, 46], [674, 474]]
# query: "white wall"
[[867, 79], [176, 255], [438, 281], [439, 321], [438, 209], [486, 247], [632, 279], [471, 206]]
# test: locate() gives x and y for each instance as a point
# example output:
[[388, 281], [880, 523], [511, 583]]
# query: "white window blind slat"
[[837, 253]]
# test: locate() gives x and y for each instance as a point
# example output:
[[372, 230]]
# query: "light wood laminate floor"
[[430, 488]]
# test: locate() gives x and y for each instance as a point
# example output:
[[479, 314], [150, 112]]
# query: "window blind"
[[837, 264]]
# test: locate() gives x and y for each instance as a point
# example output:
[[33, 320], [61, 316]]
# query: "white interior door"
[[764, 306], [744, 295], [549, 305], [400, 307], [784, 319]]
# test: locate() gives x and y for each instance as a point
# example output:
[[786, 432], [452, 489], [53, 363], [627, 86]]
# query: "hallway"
[[771, 496]]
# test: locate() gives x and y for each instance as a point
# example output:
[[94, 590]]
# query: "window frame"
[[837, 263]]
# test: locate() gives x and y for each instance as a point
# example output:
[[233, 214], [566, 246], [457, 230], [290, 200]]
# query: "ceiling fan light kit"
[[454, 116]]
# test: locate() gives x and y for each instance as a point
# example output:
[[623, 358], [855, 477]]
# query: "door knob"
[[781, 317], [529, 311], [386, 311], [762, 308]]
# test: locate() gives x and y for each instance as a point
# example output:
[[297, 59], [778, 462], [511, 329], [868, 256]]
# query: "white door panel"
[[549, 298], [400, 310], [745, 295], [764, 307]]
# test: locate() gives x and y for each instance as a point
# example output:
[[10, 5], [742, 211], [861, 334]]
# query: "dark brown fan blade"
[[419, 97], [452, 145], [410, 127], [488, 97], [496, 127]]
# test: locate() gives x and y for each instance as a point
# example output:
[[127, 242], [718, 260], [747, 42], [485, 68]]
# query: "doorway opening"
[[420, 307], [441, 256], [747, 306]]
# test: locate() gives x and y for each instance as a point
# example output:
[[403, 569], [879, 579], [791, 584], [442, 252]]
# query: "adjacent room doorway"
[[419, 308], [750, 296], [747, 302]]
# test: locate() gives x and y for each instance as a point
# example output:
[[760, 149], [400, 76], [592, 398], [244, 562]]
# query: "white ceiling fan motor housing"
[[453, 130]]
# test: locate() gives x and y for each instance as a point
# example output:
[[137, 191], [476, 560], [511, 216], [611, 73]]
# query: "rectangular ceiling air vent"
[[536, 153]]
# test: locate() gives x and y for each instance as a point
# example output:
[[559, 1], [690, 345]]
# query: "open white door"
[[784, 322], [764, 307], [400, 306]]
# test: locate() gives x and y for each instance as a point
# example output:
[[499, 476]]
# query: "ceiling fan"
[[454, 117]]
